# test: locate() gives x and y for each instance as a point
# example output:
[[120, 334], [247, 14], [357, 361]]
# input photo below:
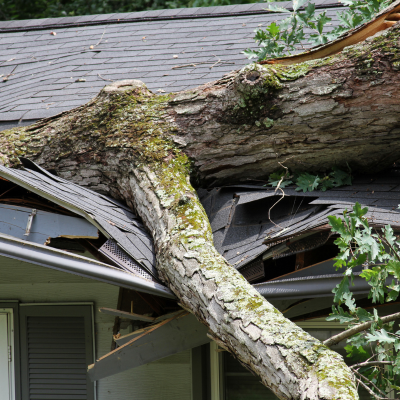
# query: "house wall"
[[169, 378]]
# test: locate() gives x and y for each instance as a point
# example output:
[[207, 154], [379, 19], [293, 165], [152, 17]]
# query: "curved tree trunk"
[[145, 148]]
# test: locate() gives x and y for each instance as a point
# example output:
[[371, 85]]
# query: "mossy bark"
[[148, 150]]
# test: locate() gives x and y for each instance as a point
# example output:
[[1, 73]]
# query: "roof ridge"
[[153, 15]]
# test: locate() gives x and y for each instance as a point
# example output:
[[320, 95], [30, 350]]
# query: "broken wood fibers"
[[147, 331], [385, 19]]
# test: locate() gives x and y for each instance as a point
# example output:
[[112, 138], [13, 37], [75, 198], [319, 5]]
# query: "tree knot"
[[131, 86]]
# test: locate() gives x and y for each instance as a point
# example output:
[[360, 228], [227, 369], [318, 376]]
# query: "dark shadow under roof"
[[113, 219], [56, 64], [244, 229]]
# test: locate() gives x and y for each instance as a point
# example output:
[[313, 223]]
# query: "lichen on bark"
[[147, 149]]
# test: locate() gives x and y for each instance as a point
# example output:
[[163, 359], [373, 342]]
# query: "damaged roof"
[[129, 246], [53, 65], [250, 223], [248, 220]]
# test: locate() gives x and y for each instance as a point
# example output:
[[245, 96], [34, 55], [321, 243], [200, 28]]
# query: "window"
[[231, 381], [7, 368]]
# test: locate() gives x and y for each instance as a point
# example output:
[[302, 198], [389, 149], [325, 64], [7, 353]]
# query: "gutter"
[[82, 266], [309, 286]]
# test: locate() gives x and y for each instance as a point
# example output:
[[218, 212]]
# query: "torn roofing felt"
[[129, 246], [247, 221]]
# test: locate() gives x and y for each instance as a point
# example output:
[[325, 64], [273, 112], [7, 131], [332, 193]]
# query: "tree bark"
[[147, 149]]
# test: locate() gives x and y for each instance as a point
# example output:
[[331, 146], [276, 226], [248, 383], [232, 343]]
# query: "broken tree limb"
[[358, 328], [147, 149], [385, 19]]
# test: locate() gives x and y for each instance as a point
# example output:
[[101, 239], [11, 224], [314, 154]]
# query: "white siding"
[[169, 378]]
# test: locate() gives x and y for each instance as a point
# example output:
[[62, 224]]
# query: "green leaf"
[[273, 29], [369, 274], [298, 3], [337, 225], [341, 289], [356, 354], [393, 267], [340, 177], [307, 182], [322, 19], [309, 10], [363, 315], [338, 314], [274, 8], [275, 178], [380, 336]]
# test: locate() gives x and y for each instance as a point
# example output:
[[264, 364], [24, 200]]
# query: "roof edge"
[[155, 15]]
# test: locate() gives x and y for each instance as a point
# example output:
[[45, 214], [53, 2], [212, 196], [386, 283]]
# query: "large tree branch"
[[145, 149]]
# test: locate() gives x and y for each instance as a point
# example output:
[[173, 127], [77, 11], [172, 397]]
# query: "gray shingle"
[[123, 48]]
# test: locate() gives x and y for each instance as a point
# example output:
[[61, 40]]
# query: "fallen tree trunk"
[[144, 149]]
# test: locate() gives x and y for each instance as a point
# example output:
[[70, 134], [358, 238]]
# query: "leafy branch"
[[372, 341], [286, 37]]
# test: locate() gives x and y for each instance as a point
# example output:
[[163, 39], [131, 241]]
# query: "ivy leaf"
[[307, 182]]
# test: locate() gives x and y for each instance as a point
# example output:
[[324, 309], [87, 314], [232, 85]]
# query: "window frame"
[[15, 350]]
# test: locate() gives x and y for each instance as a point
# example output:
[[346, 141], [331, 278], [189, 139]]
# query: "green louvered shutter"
[[56, 347]]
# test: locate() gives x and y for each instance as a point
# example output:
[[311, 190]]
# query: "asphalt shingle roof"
[[241, 221], [56, 64], [115, 220]]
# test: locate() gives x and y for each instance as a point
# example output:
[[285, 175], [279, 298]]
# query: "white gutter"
[[66, 262]]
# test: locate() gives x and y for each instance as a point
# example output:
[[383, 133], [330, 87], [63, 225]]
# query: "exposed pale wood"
[[344, 110], [128, 337], [171, 336], [393, 17], [390, 23], [354, 36], [127, 315]]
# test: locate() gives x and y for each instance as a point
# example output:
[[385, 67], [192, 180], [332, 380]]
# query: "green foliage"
[[308, 182], [287, 36], [21, 9], [378, 251]]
